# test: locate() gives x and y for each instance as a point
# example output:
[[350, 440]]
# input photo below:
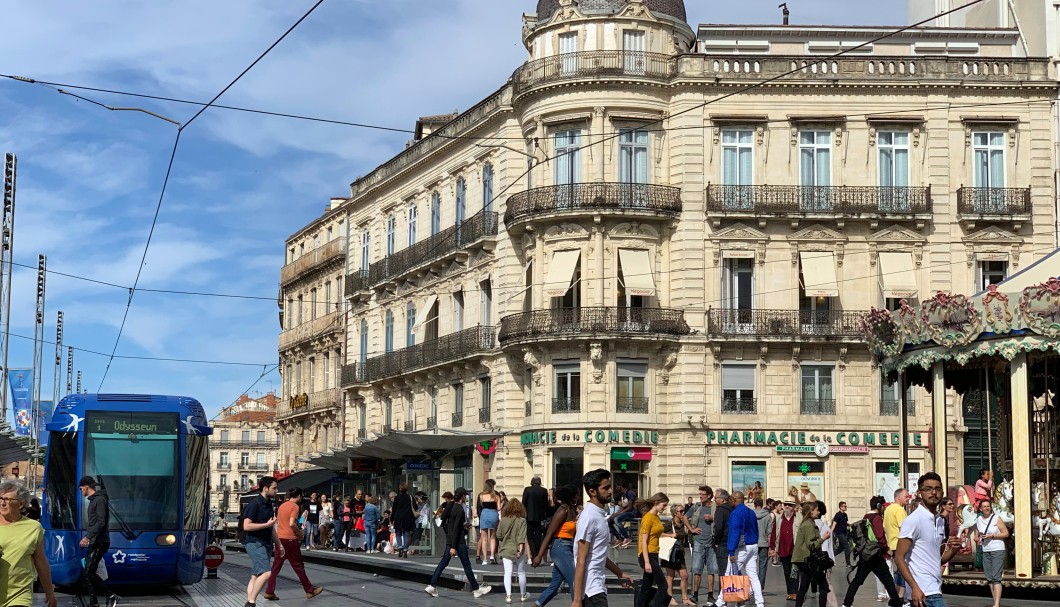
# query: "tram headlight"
[[166, 540]]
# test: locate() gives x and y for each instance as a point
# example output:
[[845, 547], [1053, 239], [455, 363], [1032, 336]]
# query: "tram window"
[[61, 488], [197, 471]]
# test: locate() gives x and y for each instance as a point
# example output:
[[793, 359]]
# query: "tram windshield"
[[135, 457]]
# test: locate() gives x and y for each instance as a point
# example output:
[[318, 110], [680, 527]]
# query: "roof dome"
[[671, 8]]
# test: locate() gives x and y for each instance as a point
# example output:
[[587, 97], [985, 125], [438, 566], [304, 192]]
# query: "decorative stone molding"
[[596, 357], [796, 352], [763, 350], [531, 361], [842, 362], [992, 240], [566, 230], [668, 367], [739, 237], [633, 228], [715, 352], [896, 235]]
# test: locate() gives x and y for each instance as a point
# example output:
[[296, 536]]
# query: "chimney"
[[784, 5]]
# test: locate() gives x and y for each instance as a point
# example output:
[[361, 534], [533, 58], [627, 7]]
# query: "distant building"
[[245, 446]]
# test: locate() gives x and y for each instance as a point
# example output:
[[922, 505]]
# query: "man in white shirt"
[[919, 544], [591, 541]]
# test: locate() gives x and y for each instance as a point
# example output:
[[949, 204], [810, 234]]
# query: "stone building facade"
[[650, 249], [244, 447]]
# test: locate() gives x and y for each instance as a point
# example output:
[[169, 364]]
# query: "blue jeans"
[[402, 539], [369, 535], [562, 553], [461, 553], [934, 600], [311, 531], [619, 520]]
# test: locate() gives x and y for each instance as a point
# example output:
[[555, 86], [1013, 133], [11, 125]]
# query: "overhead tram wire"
[[151, 358], [169, 171]]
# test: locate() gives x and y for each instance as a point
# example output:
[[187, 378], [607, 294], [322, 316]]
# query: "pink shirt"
[[984, 487]]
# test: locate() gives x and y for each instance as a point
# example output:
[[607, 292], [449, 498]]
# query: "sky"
[[89, 178]]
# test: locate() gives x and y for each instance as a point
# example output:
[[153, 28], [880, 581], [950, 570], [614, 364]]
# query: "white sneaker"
[[508, 599], [482, 591], [524, 598], [431, 590]]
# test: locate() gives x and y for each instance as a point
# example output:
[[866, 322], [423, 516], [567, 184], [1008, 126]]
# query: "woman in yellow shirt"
[[651, 529]]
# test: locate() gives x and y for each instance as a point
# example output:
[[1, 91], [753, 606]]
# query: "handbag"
[[735, 587], [819, 561], [359, 526], [978, 562], [669, 549]]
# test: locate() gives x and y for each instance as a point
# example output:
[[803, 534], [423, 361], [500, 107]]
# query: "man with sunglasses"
[[919, 556]]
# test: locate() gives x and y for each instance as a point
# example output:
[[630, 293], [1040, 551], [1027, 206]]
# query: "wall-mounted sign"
[[636, 454], [486, 447], [820, 449], [363, 465], [418, 466], [299, 401], [803, 438], [603, 437]]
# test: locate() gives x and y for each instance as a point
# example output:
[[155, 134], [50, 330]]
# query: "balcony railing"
[[410, 426], [784, 324], [817, 406], [890, 407], [335, 249], [352, 374], [739, 405], [565, 405], [484, 416], [449, 240], [458, 419], [328, 323], [634, 404], [387, 428], [838, 200], [233, 443], [317, 401], [356, 282], [593, 64], [362, 433], [994, 202], [452, 347], [563, 322], [634, 198], [224, 466], [432, 423], [255, 467]]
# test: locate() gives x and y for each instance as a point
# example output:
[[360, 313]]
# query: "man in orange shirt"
[[290, 535]]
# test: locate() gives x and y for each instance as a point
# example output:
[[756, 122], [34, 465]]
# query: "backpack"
[[864, 543]]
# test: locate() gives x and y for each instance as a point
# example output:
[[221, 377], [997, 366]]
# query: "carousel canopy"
[[1035, 274]]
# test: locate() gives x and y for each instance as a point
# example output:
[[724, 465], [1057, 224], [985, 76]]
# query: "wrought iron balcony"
[[563, 323], [784, 324], [255, 467], [993, 203], [458, 419], [432, 423], [639, 199], [233, 443], [356, 282], [484, 415], [565, 405], [739, 405], [633, 404], [453, 347], [890, 407], [598, 65], [387, 428], [410, 426], [332, 322], [448, 241], [305, 404], [817, 406], [333, 250], [848, 201], [352, 374], [224, 466]]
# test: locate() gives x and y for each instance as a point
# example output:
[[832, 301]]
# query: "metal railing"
[[565, 405], [331, 322], [739, 405], [362, 433], [255, 467], [452, 347], [458, 419], [224, 466], [997, 202], [817, 406], [432, 423], [334, 249], [356, 282], [321, 400], [387, 428], [559, 322], [449, 240], [484, 415], [784, 324], [890, 407], [594, 197], [410, 426], [593, 64], [632, 404], [233, 443], [798, 199], [352, 374]]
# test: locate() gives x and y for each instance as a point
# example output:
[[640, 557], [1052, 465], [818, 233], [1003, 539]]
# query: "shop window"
[[990, 273], [567, 465], [566, 392], [888, 480], [806, 480], [738, 389], [749, 477], [818, 391], [632, 389]]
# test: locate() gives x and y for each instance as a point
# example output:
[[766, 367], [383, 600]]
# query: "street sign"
[[214, 557], [795, 448]]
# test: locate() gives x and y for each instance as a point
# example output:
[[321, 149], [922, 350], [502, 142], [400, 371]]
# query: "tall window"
[[632, 389], [327, 297], [568, 156], [224, 458], [567, 390], [259, 459], [633, 51], [391, 234], [738, 388], [224, 481], [815, 170], [288, 381], [818, 394], [461, 200], [432, 404], [412, 224], [362, 421], [458, 405], [312, 367], [487, 188], [436, 213], [365, 242], [388, 332], [889, 392], [633, 155], [410, 323], [737, 168], [245, 436], [327, 371], [738, 285], [388, 412], [990, 273], [244, 459], [568, 45], [261, 437], [288, 316], [301, 308], [486, 407], [313, 304], [458, 310], [364, 343], [485, 289], [988, 149], [224, 433], [893, 150]]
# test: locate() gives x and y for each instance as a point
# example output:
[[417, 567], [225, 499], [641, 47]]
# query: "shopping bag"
[[101, 569], [735, 587]]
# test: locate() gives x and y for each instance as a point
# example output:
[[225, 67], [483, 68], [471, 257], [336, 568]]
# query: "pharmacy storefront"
[[804, 465], [565, 455]]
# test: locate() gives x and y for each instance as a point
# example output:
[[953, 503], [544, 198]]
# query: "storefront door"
[[567, 465]]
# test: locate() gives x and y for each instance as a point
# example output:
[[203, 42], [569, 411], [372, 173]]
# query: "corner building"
[[626, 258]]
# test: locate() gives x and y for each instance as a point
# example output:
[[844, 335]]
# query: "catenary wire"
[[152, 358]]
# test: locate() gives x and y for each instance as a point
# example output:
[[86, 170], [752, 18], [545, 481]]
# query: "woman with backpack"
[[868, 543]]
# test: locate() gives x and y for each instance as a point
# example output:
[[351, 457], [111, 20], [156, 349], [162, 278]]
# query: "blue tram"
[[150, 454]]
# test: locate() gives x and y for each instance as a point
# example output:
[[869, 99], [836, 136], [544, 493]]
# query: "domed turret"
[[669, 8]]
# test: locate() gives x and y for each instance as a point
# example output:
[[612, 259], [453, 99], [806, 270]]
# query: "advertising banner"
[[44, 416], [806, 481], [21, 382], [749, 477]]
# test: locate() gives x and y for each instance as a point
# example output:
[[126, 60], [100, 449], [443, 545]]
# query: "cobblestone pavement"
[[344, 587]]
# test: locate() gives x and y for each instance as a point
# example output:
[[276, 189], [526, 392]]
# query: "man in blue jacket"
[[743, 547]]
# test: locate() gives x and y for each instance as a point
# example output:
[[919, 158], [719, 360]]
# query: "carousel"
[[991, 362]]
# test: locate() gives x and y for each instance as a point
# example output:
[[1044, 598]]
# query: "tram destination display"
[[116, 422]]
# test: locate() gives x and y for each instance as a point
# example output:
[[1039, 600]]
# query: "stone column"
[[1021, 463], [598, 129], [598, 245], [938, 429]]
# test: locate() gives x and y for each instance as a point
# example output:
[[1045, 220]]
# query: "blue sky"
[[89, 178]]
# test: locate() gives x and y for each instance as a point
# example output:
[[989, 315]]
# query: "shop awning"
[[404, 445], [636, 272], [306, 479], [818, 274], [897, 277], [423, 315], [1038, 272], [561, 272], [10, 450]]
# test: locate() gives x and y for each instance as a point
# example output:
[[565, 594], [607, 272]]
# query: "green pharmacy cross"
[[895, 469], [805, 469], [623, 466]]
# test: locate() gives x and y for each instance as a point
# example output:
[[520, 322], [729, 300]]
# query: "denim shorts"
[[260, 559], [704, 561]]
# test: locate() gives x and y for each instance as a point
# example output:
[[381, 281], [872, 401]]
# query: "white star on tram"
[[119, 557]]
